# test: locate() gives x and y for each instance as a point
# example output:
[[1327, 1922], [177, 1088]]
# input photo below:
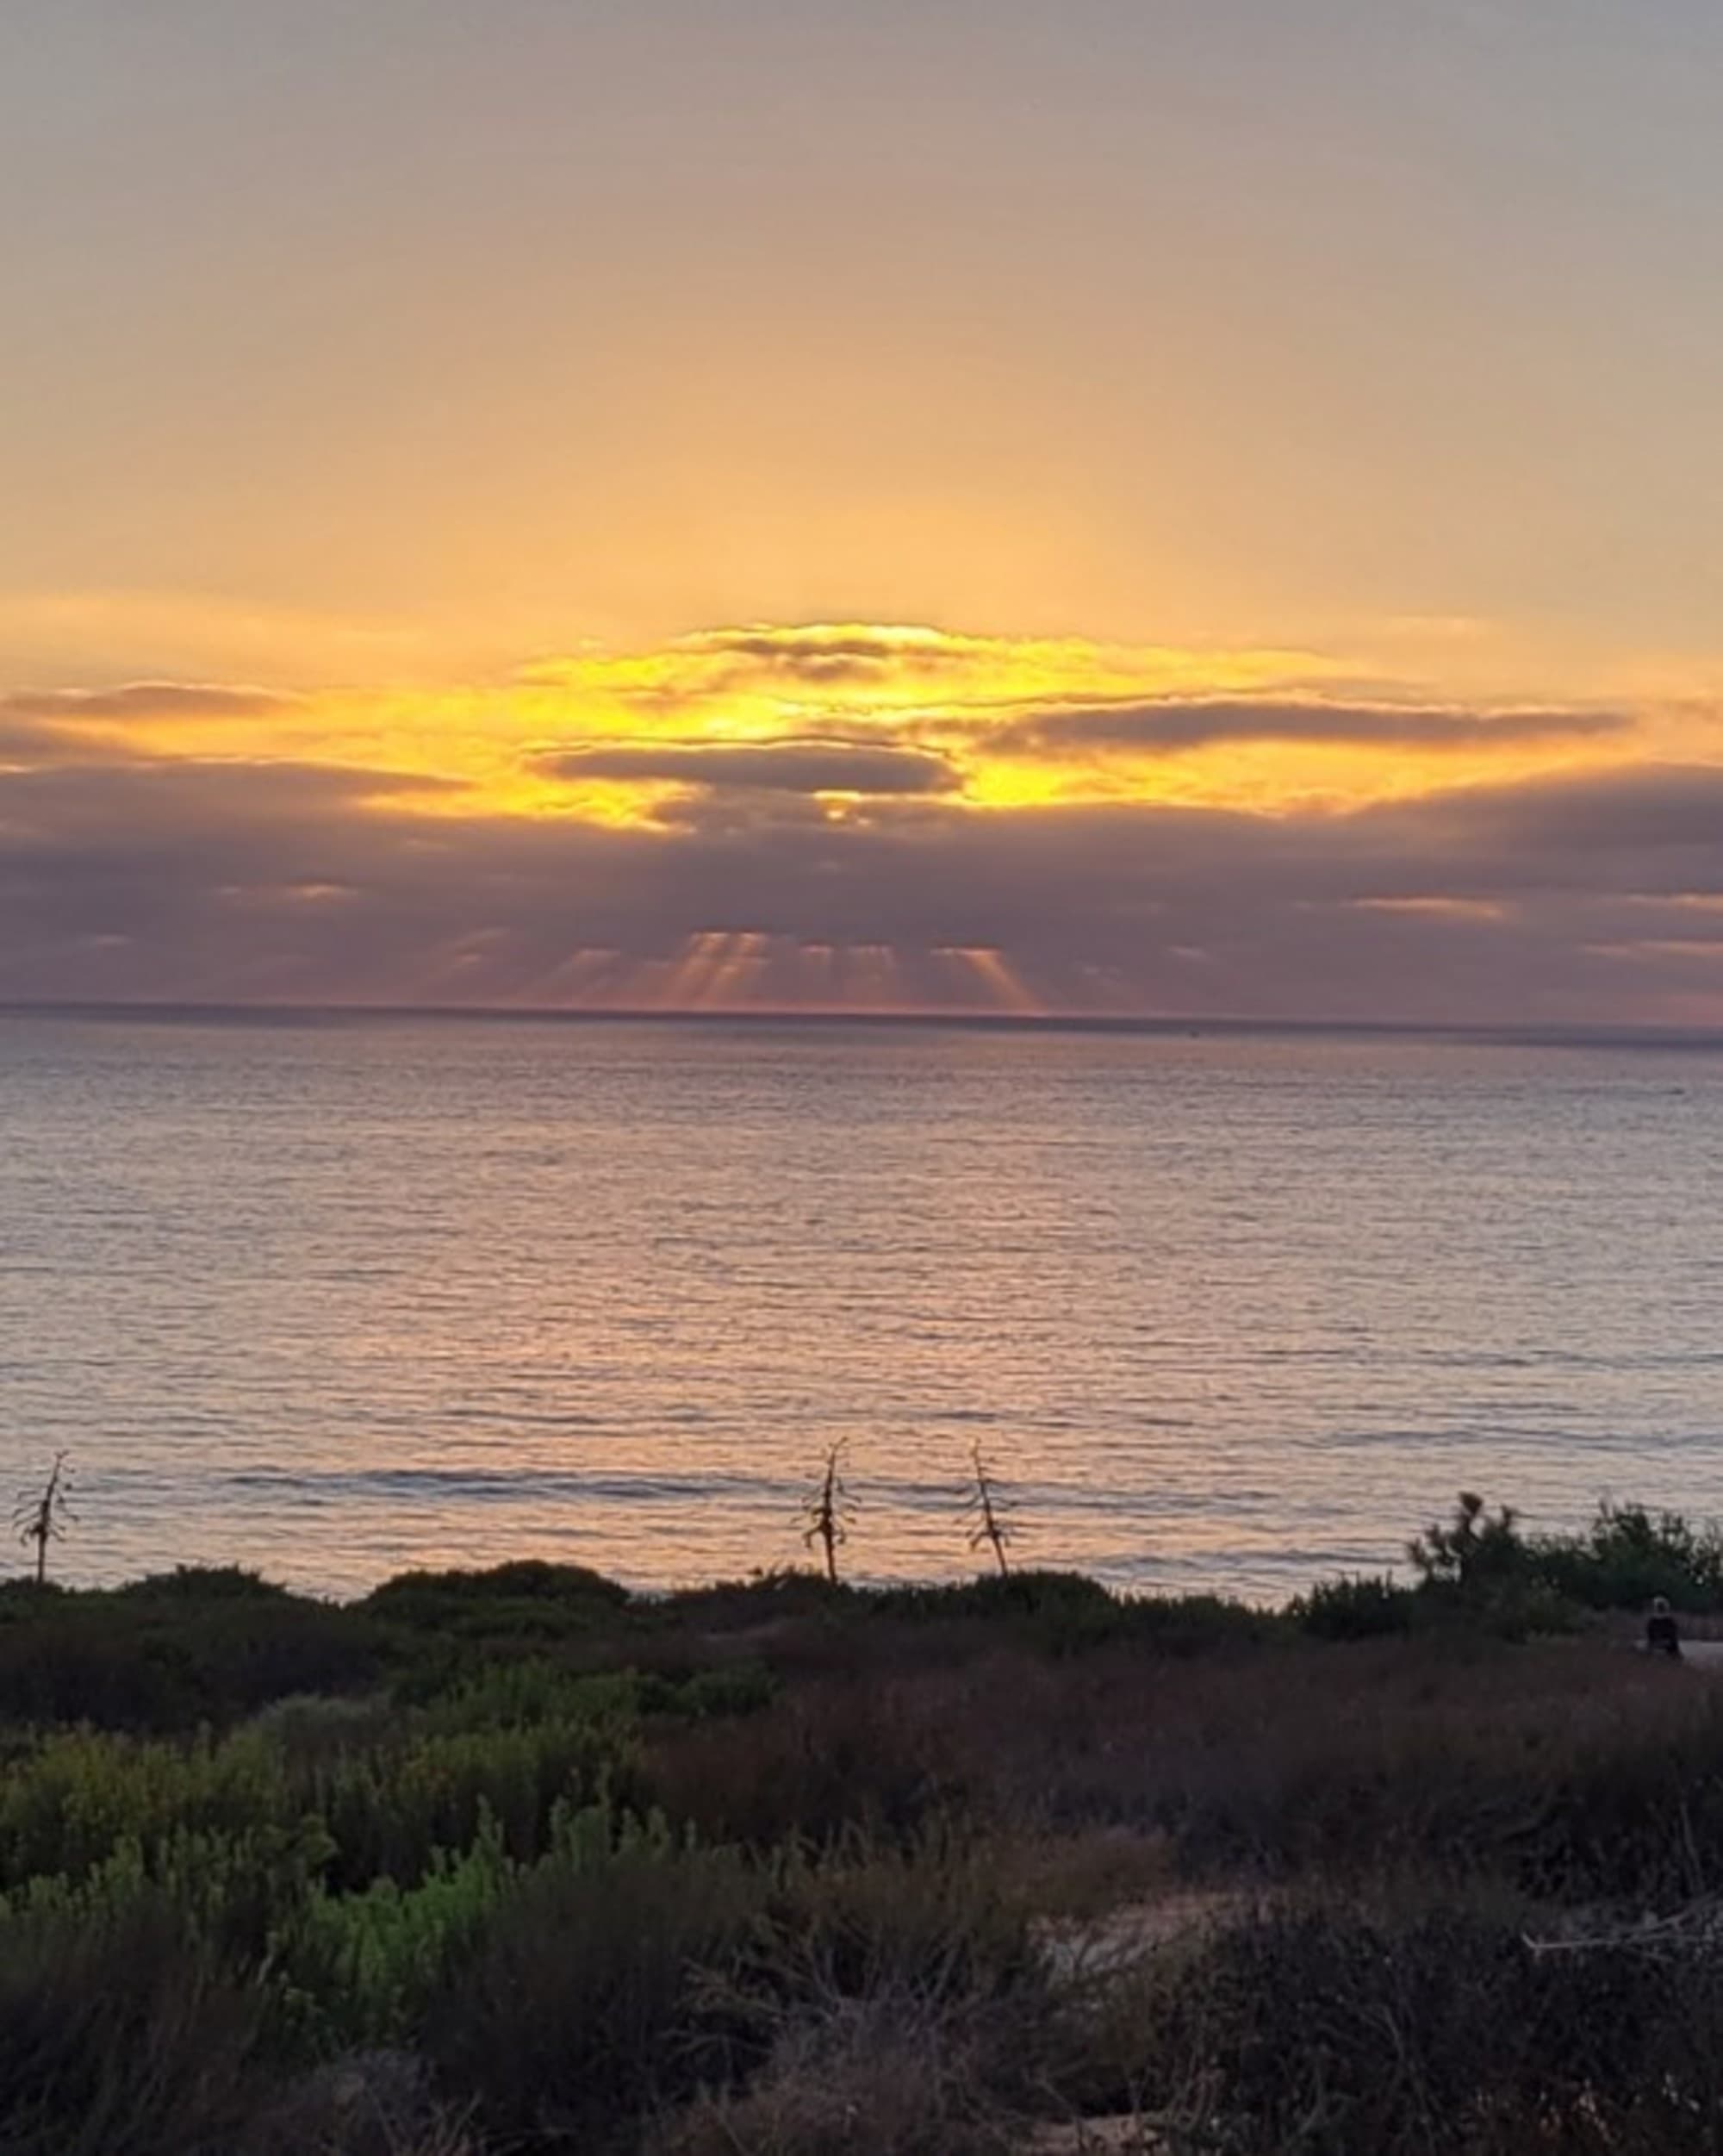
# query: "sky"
[[1161, 508]]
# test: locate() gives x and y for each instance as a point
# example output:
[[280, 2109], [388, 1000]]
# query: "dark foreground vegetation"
[[511, 1861]]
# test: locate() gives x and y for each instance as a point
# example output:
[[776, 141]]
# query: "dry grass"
[[377, 2103], [1575, 1767], [885, 2076]]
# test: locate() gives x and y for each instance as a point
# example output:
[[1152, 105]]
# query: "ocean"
[[1223, 1309]]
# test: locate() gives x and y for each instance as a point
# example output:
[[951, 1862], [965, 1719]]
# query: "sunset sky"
[[1138, 507]]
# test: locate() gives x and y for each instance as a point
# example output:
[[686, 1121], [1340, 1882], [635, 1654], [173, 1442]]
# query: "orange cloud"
[[850, 817]]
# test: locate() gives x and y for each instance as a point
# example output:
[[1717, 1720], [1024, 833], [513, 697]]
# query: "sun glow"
[[774, 785], [643, 738]]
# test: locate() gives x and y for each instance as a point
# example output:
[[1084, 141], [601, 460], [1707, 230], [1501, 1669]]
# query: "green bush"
[[1481, 1564], [389, 1802], [579, 2006], [1628, 1555], [391, 1810], [358, 1968]]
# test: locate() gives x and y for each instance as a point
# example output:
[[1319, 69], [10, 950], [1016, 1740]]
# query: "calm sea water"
[[1223, 1311]]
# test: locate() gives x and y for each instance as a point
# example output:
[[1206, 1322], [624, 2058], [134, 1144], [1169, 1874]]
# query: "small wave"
[[503, 1485]]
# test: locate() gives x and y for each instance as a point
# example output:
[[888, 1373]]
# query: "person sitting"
[[1663, 1634]]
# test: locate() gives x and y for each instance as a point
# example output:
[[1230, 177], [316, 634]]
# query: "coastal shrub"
[[605, 1986], [173, 1660], [523, 1579], [201, 1584], [1571, 1766], [1616, 1819], [758, 1874], [734, 1690], [80, 1795], [1480, 1561], [122, 2034], [1447, 1748], [390, 1811], [578, 2006], [309, 1730], [228, 1891], [1627, 1555], [811, 1998], [1059, 1612], [527, 1603], [764, 1599], [844, 1752], [1361, 2032], [384, 1796], [57, 1668], [1360, 1607], [886, 2077], [1067, 1613], [356, 1968], [1478, 1569], [1473, 1552], [1515, 1610], [1182, 1625], [933, 1917], [891, 1999], [513, 1694]]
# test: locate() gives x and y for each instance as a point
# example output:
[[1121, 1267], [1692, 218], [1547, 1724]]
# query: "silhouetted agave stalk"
[[985, 1510], [827, 1509], [40, 1516]]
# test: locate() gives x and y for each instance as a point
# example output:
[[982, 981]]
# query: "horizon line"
[[1547, 1032]]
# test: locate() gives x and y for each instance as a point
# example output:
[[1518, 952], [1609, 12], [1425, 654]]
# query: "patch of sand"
[[1101, 1946], [1120, 2136]]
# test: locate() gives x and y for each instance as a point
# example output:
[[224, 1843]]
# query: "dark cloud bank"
[[89, 725], [793, 765], [1176, 725], [145, 699], [1558, 899]]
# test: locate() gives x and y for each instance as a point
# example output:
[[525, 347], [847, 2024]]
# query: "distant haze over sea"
[[334, 1293]]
